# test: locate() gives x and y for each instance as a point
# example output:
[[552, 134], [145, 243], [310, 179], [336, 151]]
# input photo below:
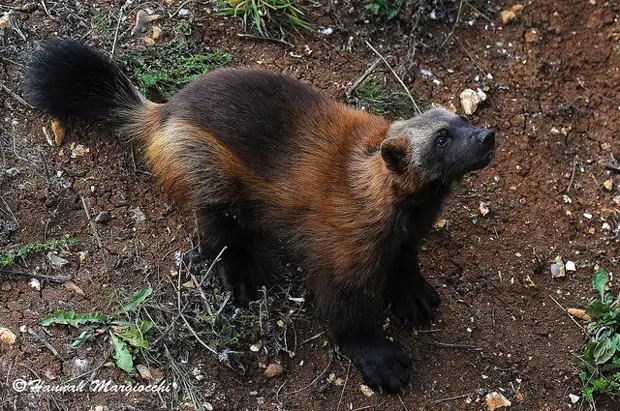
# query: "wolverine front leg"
[[354, 314], [412, 299]]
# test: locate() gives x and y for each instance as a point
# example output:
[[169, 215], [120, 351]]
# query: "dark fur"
[[263, 157]]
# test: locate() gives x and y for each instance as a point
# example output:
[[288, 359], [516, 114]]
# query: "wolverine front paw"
[[416, 303], [383, 364]]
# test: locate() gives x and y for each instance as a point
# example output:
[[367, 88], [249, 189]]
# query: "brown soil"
[[554, 104]]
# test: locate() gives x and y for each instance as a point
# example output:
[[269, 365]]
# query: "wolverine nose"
[[486, 137]]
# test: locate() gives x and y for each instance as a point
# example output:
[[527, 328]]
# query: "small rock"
[[198, 374], [608, 185], [339, 382], [137, 214], [5, 22], [256, 347], [573, 398], [78, 150], [7, 336], [367, 391], [570, 266], [326, 31], [55, 260], [12, 172], [588, 216], [579, 313], [103, 217], [144, 371], [36, 284], [496, 400], [528, 283], [508, 16], [83, 255], [531, 36], [484, 208], [79, 366], [142, 19], [23, 329], [59, 132], [74, 287], [273, 370], [470, 100], [441, 224], [49, 374], [158, 33], [558, 270]]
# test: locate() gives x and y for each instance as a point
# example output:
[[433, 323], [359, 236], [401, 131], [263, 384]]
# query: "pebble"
[[470, 100], [579, 313], [573, 398], [558, 270], [608, 185], [484, 208], [103, 217], [570, 266], [36, 284], [59, 132], [496, 400], [70, 285], [5, 22], [7, 336], [55, 260], [256, 347], [12, 172], [273, 370], [366, 390]]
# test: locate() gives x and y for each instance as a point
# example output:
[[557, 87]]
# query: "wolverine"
[[261, 158]]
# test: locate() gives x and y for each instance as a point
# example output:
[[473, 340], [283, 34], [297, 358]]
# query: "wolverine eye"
[[442, 138]]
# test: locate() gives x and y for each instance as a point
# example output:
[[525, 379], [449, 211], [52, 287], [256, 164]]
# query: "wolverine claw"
[[416, 304], [383, 363]]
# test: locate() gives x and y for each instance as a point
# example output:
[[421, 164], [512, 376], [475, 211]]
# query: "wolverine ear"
[[396, 152]]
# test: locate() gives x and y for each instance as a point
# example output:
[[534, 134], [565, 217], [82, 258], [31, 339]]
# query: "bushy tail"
[[67, 79]]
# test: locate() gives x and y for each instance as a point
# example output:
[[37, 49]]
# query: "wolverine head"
[[436, 146]]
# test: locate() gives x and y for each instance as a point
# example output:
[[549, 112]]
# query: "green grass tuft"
[[600, 359], [387, 9], [265, 14], [166, 68], [10, 258], [375, 97]]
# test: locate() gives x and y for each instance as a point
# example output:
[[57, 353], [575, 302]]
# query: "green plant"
[[264, 13], [125, 336], [600, 359], [10, 257], [376, 98], [164, 69], [387, 9]]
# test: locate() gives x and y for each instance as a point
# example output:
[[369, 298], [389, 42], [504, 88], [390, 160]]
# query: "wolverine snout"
[[486, 137]]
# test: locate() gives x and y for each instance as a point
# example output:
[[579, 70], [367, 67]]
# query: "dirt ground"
[[553, 76]]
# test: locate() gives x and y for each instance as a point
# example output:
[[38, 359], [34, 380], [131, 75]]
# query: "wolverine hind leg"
[[242, 267]]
